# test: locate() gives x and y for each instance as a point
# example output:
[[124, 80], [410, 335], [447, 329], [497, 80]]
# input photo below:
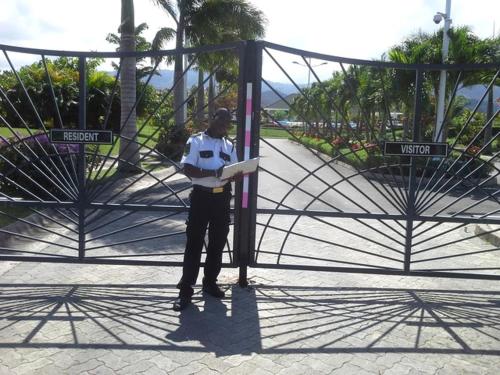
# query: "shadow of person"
[[216, 327], [189, 325], [208, 325]]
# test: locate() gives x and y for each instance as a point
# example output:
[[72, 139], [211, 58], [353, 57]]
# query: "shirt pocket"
[[225, 157], [206, 154]]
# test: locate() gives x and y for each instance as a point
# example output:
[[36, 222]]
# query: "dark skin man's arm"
[[192, 171]]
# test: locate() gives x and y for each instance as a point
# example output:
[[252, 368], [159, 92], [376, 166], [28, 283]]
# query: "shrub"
[[33, 168], [171, 141], [370, 157]]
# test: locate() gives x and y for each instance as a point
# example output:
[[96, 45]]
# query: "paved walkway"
[[84, 319], [88, 319]]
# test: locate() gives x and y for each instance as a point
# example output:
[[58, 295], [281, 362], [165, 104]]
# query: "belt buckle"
[[218, 189]]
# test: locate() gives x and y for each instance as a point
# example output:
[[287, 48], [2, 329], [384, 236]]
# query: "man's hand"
[[218, 173], [237, 177]]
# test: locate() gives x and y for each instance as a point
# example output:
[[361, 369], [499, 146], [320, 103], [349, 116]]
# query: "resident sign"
[[415, 149], [104, 137]]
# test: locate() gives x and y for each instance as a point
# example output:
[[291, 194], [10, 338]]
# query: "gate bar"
[[412, 182], [248, 134], [82, 120]]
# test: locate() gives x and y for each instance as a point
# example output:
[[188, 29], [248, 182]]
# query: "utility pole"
[[439, 133]]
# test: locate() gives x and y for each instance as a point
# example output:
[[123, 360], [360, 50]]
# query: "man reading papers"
[[243, 167]]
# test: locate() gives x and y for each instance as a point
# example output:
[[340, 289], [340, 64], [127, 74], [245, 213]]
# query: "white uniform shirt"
[[205, 152]]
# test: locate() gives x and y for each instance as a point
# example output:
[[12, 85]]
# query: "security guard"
[[204, 158]]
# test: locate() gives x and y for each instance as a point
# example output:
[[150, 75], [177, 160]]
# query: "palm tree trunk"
[[488, 132], [200, 100], [211, 95], [180, 116], [383, 123], [129, 149]]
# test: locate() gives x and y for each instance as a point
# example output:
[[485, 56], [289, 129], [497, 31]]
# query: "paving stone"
[[164, 362], [400, 369], [216, 363], [193, 368], [349, 369], [296, 368], [101, 370], [138, 367], [289, 323], [90, 365], [31, 367], [49, 370], [113, 361], [207, 371], [316, 365], [249, 368], [237, 359]]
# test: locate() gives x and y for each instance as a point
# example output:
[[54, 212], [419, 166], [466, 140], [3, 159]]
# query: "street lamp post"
[[309, 68], [439, 131]]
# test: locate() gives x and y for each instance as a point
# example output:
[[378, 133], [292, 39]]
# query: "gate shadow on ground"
[[259, 319]]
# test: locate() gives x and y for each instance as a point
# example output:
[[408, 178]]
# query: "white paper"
[[245, 167]]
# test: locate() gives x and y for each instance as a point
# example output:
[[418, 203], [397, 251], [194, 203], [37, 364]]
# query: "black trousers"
[[207, 210]]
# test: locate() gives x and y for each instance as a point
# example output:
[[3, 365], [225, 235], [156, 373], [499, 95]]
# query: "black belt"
[[213, 190]]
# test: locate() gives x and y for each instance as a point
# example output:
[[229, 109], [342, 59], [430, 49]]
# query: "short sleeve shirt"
[[203, 151]]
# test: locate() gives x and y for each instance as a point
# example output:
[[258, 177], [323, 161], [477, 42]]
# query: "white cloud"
[[365, 28], [351, 28]]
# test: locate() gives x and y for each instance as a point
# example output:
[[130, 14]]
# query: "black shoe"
[[214, 290], [181, 303]]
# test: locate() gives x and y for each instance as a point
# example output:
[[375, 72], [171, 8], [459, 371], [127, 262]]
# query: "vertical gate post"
[[247, 147], [82, 124], [410, 213]]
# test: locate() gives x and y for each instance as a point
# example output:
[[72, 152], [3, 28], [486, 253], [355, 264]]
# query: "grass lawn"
[[147, 131], [7, 133], [266, 133], [274, 133]]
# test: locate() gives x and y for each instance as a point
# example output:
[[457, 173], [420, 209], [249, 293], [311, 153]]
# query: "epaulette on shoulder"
[[199, 134], [229, 140]]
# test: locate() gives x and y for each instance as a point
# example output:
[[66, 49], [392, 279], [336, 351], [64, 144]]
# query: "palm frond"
[[163, 35], [226, 20], [169, 7], [141, 28]]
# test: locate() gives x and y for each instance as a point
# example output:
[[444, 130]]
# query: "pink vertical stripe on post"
[[245, 200], [248, 127], [249, 106]]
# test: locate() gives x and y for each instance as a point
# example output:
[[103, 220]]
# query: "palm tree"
[[201, 22], [129, 148], [141, 44], [465, 47], [488, 51]]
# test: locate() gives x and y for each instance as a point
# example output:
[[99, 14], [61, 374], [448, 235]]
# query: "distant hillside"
[[166, 77], [474, 94]]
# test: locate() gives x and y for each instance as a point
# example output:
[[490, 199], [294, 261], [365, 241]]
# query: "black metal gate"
[[94, 203], [325, 197], [340, 203]]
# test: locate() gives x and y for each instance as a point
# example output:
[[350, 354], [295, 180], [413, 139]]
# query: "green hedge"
[[371, 158]]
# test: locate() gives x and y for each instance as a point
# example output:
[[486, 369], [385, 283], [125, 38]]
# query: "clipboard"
[[245, 167]]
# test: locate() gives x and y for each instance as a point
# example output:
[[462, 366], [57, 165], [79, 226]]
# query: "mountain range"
[[268, 96]]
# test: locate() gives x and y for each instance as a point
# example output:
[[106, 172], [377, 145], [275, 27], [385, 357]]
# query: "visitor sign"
[[104, 137], [415, 149]]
